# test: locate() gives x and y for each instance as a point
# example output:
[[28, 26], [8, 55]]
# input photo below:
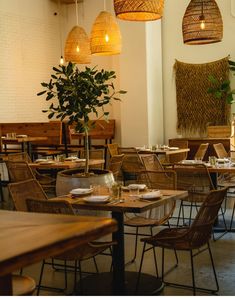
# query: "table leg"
[[6, 285], [119, 256]]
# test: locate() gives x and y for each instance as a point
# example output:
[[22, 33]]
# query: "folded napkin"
[[153, 194], [81, 191], [137, 186]]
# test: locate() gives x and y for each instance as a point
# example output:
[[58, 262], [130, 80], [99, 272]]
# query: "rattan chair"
[[113, 149], [20, 171], [165, 179], [190, 238], [19, 191], [115, 165], [197, 181], [220, 150], [225, 179], [131, 164], [78, 254], [201, 151], [151, 162], [95, 154], [181, 156]]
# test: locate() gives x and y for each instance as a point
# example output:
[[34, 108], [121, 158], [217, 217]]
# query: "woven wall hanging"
[[196, 108]]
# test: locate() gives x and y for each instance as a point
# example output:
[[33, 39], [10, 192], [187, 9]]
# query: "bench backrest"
[[52, 130]]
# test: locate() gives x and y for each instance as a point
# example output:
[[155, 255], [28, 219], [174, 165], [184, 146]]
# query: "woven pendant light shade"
[[77, 46], [202, 23], [105, 35], [139, 10]]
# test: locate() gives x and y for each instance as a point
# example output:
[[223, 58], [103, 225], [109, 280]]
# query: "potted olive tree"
[[75, 95]]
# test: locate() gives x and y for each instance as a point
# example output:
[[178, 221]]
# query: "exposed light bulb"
[[61, 60], [106, 38], [78, 49], [202, 22]]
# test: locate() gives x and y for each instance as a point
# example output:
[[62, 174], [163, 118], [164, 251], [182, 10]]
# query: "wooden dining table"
[[51, 164], [122, 282], [161, 151], [25, 141], [27, 238]]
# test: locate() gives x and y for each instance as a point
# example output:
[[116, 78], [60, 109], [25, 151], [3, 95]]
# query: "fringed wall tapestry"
[[196, 108]]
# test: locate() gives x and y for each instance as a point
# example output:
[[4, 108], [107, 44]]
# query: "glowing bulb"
[[202, 22], [61, 60], [106, 38], [78, 49]]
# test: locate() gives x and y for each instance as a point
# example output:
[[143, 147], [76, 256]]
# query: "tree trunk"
[[86, 141]]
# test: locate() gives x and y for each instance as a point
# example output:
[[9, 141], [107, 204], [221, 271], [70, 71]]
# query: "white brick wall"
[[29, 47]]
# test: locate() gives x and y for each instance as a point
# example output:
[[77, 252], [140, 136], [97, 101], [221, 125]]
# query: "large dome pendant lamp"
[[77, 46], [202, 23], [139, 10], [105, 38]]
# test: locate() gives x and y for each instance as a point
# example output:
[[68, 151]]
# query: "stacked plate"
[[81, 191]]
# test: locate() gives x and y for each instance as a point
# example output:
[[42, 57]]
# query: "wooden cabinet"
[[193, 144]]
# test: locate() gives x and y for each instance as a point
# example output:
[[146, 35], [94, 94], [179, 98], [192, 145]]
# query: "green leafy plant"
[[222, 89], [76, 94]]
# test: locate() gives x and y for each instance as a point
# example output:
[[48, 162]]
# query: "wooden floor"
[[224, 256]]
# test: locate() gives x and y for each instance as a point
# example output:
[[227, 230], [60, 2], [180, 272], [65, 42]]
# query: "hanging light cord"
[[77, 11], [61, 52], [104, 5]]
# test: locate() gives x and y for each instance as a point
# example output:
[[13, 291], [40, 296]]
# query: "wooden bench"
[[52, 130], [102, 131]]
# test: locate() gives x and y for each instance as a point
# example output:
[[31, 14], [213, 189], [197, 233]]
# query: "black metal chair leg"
[[65, 275], [40, 277], [192, 269], [163, 263], [96, 267], [141, 264], [231, 222], [213, 267]]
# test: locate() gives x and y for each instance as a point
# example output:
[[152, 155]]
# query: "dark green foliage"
[[221, 89], [79, 93]]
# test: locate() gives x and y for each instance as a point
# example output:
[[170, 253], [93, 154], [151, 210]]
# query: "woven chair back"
[[113, 149], [195, 179], [23, 156], [131, 160], [220, 151], [180, 144], [200, 154], [201, 228], [165, 179], [20, 191], [151, 162], [19, 171], [51, 207], [95, 154], [115, 165]]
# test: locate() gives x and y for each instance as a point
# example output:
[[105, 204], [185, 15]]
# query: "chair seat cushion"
[[23, 285]]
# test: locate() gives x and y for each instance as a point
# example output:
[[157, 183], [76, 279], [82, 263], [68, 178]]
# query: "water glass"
[[134, 191]]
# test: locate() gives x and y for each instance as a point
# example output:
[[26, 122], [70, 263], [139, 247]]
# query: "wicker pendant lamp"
[[202, 23], [77, 46], [139, 10], [105, 35]]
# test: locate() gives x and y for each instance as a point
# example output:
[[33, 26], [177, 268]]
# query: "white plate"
[[135, 186], [71, 158], [173, 148], [21, 136], [188, 162], [97, 198], [40, 160], [223, 160], [46, 162], [151, 195], [81, 191]]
